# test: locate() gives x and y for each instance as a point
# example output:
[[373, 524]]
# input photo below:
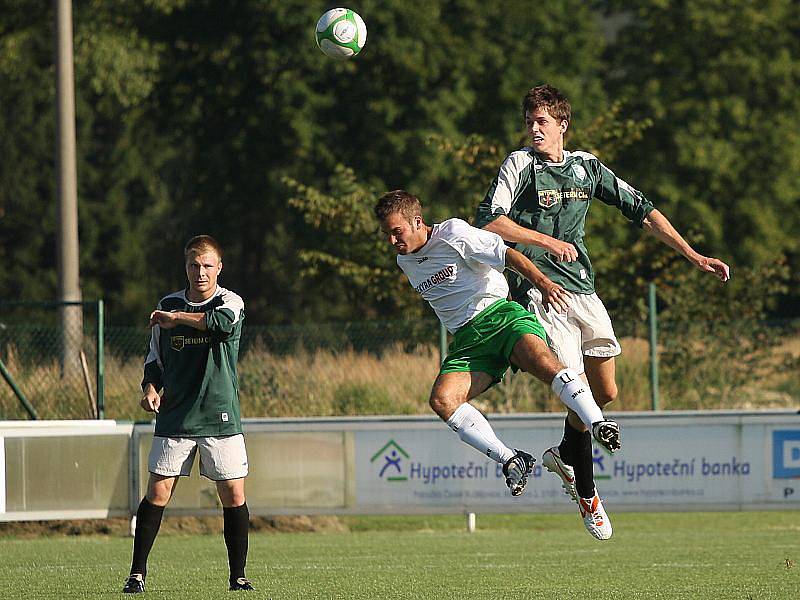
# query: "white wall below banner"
[[719, 460]]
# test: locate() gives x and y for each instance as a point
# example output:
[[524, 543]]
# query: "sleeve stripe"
[[509, 181], [234, 304]]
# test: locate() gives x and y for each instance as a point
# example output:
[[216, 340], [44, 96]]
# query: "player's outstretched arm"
[[511, 232], [657, 224], [168, 320], [552, 293]]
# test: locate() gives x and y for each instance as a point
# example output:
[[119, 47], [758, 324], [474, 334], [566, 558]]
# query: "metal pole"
[[653, 319], [101, 363], [68, 281], [18, 392], [442, 343]]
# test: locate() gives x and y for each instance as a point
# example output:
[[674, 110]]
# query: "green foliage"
[[349, 247], [723, 153], [716, 346], [27, 174], [193, 116]]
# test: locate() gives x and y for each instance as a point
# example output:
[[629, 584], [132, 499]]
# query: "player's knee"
[[235, 499], [442, 405], [437, 404], [606, 395], [158, 496], [231, 494]]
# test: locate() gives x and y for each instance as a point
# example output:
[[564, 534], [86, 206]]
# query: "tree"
[[345, 212], [444, 106], [718, 79]]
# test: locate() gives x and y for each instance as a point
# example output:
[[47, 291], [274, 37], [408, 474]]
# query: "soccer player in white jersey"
[[458, 269], [538, 203]]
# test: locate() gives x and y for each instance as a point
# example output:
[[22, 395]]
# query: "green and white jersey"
[[197, 369], [459, 271], [553, 198]]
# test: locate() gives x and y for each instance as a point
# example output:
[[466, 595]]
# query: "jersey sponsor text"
[[439, 277]]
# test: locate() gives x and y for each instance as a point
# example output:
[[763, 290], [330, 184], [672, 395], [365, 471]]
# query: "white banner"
[[681, 463], [2, 475], [395, 465]]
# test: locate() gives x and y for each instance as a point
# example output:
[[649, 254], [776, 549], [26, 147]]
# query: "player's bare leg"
[[160, 489], [601, 374], [451, 390], [450, 398], [532, 355]]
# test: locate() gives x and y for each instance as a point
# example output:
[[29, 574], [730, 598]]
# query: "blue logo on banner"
[[786, 454], [391, 454]]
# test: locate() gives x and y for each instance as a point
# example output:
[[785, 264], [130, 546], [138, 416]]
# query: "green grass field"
[[678, 555]]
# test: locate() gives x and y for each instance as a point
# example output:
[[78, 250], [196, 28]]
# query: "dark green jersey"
[[553, 198], [197, 369]]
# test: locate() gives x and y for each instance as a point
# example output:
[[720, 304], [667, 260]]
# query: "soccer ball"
[[341, 33]]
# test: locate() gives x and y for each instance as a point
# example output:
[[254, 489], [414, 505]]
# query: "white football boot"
[[595, 518], [551, 460]]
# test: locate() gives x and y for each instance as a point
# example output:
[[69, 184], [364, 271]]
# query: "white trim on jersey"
[[508, 180], [620, 182], [231, 301], [581, 154], [459, 271], [154, 354]]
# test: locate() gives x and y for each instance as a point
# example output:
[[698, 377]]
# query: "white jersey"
[[459, 271]]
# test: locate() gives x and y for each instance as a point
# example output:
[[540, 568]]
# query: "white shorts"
[[221, 458], [584, 330]]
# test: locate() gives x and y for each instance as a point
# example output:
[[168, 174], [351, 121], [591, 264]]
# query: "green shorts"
[[485, 343]]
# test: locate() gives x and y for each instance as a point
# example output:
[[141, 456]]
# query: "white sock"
[[575, 393], [473, 429]]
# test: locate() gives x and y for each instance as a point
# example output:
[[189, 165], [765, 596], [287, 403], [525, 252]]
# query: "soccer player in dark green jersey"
[[538, 204], [194, 346]]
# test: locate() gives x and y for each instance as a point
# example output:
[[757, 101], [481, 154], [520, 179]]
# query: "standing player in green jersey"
[[458, 270], [194, 346], [542, 192]]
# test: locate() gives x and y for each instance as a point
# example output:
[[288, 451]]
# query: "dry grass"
[[345, 382], [325, 383]]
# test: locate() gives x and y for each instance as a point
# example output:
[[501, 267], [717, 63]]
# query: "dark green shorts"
[[485, 343]]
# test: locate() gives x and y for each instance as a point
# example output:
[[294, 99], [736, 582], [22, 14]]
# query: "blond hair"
[[200, 244]]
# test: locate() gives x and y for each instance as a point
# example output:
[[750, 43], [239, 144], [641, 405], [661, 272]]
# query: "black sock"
[[576, 450], [584, 466], [148, 522], [568, 443], [236, 525]]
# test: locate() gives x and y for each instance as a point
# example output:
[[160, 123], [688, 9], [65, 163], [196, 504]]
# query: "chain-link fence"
[[377, 367], [51, 357], [387, 367]]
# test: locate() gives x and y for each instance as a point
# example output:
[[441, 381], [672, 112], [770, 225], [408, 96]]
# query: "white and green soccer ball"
[[341, 33]]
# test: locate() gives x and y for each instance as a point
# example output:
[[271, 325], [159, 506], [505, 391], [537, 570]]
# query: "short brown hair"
[[200, 244], [546, 96], [398, 201]]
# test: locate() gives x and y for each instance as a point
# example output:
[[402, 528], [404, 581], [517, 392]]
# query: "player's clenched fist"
[[164, 319], [151, 401]]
